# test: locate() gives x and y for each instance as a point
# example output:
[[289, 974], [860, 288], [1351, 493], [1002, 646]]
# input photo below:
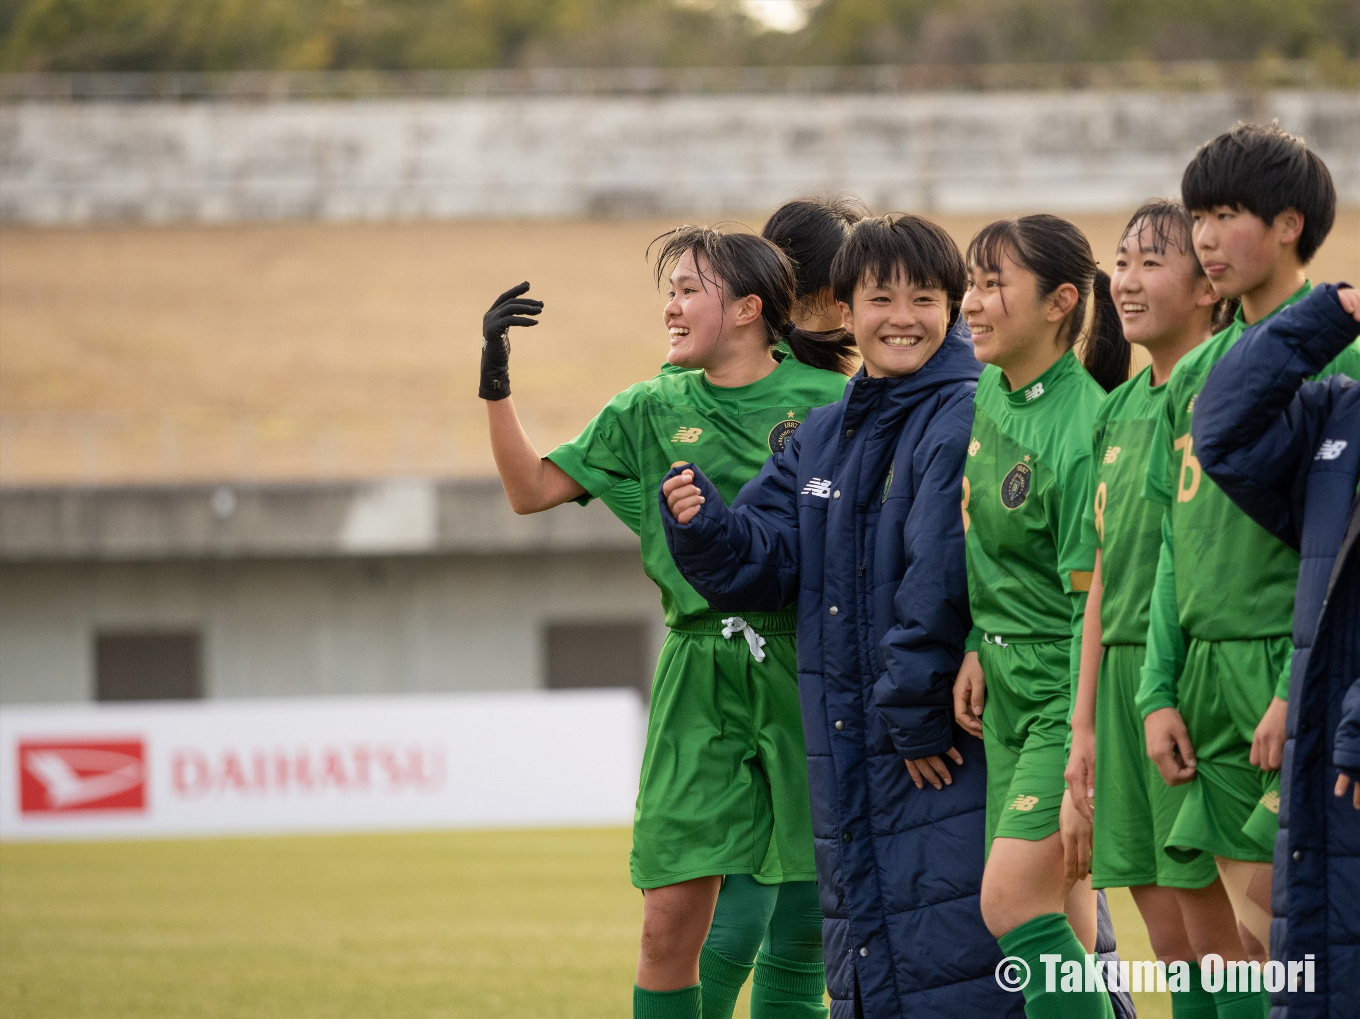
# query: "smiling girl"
[[1025, 484], [1168, 307], [723, 789]]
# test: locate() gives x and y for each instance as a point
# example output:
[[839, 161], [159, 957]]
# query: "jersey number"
[[1188, 480], [966, 519], [1100, 512]]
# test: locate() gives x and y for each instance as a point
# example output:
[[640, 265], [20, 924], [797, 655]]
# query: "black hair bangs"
[[1264, 170], [899, 246], [993, 242], [1160, 225], [684, 240]]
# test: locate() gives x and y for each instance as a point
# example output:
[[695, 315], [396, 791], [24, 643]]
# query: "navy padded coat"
[[1288, 453], [858, 521]]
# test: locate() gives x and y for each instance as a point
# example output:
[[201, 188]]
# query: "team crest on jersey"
[[687, 434], [887, 484], [1111, 454], [779, 434], [1015, 486]]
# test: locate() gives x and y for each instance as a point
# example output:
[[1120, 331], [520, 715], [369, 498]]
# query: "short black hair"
[[810, 231], [882, 248], [1166, 224], [1265, 170], [741, 264]]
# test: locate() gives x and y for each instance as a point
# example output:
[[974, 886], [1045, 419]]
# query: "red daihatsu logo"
[[63, 776]]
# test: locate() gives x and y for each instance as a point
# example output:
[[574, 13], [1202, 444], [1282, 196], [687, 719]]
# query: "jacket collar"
[[951, 364]]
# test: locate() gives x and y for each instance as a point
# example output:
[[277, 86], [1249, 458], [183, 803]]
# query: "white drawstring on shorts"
[[734, 625]]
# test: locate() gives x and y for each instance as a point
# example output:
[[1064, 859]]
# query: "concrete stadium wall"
[[295, 627], [628, 155]]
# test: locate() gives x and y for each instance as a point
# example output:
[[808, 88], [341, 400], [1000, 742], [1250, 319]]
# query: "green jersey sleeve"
[[625, 502], [1345, 363], [1076, 554], [605, 454], [1165, 640], [1090, 532], [1158, 487]]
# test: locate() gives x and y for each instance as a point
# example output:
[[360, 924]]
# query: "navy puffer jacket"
[[1288, 452], [858, 521]]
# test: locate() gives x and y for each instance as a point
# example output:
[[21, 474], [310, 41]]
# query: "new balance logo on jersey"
[[1190, 407], [1111, 453], [687, 435], [820, 487], [1034, 392], [973, 447], [1331, 449], [1024, 803]]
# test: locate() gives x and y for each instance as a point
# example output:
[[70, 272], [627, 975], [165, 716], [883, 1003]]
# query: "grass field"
[[519, 925], [300, 350]]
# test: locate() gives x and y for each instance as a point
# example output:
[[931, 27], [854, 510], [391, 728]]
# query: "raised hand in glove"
[[510, 309]]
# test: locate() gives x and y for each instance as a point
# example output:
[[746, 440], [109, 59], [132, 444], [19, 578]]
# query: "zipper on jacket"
[[863, 566]]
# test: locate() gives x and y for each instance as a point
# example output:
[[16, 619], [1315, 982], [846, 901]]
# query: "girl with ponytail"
[[723, 795], [1030, 560], [810, 231]]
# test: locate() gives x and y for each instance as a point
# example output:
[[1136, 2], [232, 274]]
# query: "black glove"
[[509, 310]]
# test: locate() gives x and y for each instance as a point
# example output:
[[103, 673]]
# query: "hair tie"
[[786, 330]]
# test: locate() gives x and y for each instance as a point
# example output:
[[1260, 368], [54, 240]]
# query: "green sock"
[[1194, 1003], [721, 979], [1051, 934], [686, 1003], [1242, 1004], [787, 989]]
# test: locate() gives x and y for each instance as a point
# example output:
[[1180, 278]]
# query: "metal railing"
[[273, 86]]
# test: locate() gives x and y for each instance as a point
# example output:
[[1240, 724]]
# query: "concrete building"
[[639, 154], [254, 590]]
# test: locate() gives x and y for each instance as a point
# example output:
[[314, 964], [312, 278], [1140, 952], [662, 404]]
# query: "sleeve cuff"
[[973, 641]]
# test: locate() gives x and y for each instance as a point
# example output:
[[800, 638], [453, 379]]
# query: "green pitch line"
[[519, 925]]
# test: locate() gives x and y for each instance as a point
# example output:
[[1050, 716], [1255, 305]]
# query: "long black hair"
[[1168, 225], [741, 264], [1055, 252], [810, 231]]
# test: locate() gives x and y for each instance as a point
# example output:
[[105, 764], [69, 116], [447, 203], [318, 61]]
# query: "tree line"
[[230, 35]]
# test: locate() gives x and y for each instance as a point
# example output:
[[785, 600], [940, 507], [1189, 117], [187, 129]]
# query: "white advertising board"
[[534, 758]]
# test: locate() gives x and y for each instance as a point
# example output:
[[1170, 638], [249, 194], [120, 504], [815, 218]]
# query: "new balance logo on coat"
[[820, 487], [1330, 449]]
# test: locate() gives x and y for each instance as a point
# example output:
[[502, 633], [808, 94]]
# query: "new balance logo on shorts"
[[1330, 449], [820, 487], [1024, 803], [687, 435]]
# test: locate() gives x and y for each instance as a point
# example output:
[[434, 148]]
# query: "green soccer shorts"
[[1134, 808], [1024, 734], [1231, 807], [724, 786]]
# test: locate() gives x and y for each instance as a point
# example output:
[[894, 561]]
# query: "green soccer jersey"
[[1126, 527], [1229, 579], [679, 417], [1025, 485]]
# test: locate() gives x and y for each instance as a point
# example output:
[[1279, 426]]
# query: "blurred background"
[[256, 574]]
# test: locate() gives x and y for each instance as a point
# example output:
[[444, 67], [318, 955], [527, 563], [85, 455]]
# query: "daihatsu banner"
[[319, 764]]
